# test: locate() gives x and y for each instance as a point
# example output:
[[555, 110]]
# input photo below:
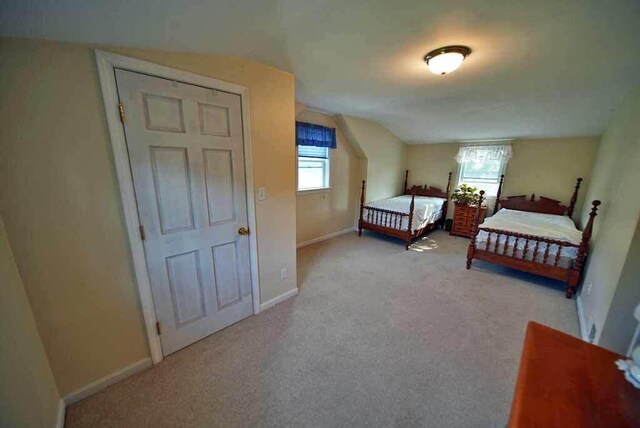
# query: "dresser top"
[[566, 382]]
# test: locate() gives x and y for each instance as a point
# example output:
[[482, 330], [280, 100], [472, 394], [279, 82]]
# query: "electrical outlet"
[[283, 273], [588, 288], [592, 332]]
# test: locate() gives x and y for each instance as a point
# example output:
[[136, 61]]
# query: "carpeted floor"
[[378, 336]]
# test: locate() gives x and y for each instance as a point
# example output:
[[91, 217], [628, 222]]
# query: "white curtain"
[[501, 152]]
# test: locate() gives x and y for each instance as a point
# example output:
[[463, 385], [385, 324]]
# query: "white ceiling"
[[539, 68]]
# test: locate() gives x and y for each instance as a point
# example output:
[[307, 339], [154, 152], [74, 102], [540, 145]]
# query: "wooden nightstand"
[[463, 216]]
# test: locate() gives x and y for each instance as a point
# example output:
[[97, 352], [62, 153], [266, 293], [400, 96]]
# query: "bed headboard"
[[543, 205], [434, 192]]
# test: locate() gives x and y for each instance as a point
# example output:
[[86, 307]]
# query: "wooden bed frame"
[[571, 275], [388, 222]]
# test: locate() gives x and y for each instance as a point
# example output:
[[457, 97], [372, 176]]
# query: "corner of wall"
[[386, 155], [615, 170], [28, 392], [345, 128]]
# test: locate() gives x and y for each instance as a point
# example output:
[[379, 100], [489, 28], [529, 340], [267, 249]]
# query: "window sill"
[[312, 191]]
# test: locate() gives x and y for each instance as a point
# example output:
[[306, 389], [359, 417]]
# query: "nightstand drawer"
[[463, 219]]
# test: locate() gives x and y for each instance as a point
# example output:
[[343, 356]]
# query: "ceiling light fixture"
[[447, 59]]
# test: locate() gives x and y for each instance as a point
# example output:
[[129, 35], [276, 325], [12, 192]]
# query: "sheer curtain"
[[501, 152], [480, 166]]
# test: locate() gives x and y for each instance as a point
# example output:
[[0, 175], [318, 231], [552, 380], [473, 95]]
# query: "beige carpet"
[[378, 336]]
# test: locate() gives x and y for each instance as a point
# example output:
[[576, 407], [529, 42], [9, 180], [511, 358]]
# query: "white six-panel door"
[[186, 155]]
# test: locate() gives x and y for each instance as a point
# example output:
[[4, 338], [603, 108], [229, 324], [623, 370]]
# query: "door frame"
[[107, 62]]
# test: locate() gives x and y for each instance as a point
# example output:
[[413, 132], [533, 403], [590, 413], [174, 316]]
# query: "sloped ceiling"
[[539, 68]]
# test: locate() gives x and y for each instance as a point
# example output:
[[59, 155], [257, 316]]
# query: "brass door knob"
[[243, 231]]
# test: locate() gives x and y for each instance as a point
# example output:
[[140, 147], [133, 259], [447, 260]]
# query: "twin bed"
[[535, 236], [408, 216]]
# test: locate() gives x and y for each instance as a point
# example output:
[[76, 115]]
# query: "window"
[[314, 142], [481, 166], [313, 167]]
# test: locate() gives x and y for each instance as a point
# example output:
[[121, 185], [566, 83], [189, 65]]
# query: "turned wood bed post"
[[476, 223], [361, 208], [446, 204], [583, 250], [410, 222], [496, 206], [574, 198], [406, 177]]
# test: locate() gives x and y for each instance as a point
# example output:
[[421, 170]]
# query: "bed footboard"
[[383, 218], [538, 255]]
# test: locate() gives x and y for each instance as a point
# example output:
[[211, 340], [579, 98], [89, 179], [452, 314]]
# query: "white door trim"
[[107, 62]]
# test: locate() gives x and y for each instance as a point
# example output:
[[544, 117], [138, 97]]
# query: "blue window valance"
[[310, 134]]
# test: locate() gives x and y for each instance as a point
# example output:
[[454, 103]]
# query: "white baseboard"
[[107, 381], [325, 237], [279, 299], [582, 323], [61, 412]]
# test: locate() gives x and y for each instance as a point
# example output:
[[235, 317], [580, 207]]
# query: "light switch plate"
[[262, 193]]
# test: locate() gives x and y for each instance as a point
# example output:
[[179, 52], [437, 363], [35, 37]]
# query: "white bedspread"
[[426, 210], [550, 226]]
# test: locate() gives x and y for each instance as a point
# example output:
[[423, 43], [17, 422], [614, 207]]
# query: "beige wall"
[[547, 167], [60, 202], [385, 154], [321, 213], [620, 324], [430, 164], [28, 394], [615, 180]]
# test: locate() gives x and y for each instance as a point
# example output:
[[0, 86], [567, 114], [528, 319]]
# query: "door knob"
[[243, 231]]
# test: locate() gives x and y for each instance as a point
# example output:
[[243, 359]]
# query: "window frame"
[[503, 168], [327, 174]]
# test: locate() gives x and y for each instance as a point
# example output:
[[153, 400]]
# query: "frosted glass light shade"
[[447, 59], [445, 63]]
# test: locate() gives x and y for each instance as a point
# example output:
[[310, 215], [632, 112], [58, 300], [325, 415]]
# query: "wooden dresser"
[[566, 382], [463, 216]]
